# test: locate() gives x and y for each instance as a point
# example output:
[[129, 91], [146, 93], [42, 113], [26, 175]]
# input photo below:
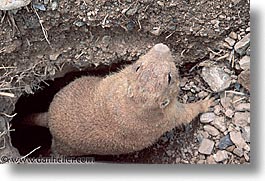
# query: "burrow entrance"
[[26, 138]]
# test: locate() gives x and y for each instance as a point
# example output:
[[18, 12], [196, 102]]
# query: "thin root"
[[25, 156], [7, 94], [42, 27]]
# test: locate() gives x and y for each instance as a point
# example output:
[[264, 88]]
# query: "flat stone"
[[242, 45], [156, 31], [233, 35], [210, 160], [230, 148], [218, 109], [246, 133], [242, 107], [244, 62], [230, 41], [238, 140], [229, 113], [244, 79], [206, 146], [226, 102], [216, 78], [201, 162], [246, 156], [219, 123], [225, 142], [220, 156], [211, 130], [238, 151], [207, 117], [241, 119], [11, 5], [226, 45]]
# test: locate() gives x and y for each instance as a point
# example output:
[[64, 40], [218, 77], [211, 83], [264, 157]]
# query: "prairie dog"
[[121, 113]]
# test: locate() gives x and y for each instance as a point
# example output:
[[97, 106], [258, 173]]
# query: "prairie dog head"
[[153, 81]]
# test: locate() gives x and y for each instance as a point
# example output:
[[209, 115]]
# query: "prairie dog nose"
[[161, 48]]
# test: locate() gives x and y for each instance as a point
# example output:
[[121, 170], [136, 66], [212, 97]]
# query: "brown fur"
[[123, 112]]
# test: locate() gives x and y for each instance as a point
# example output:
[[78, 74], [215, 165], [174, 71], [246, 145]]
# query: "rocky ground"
[[57, 41]]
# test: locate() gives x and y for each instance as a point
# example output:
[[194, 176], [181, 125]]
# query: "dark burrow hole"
[[26, 138]]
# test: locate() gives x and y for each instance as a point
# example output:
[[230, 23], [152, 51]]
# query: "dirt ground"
[[57, 41]]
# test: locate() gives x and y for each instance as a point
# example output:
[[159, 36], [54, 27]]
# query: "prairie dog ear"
[[164, 103]]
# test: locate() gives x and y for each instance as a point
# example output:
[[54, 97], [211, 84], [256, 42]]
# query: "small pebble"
[[207, 117], [220, 156], [238, 151]]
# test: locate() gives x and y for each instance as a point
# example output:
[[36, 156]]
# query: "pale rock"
[[241, 119], [244, 62], [233, 35], [216, 78], [210, 160], [206, 146], [178, 160], [220, 156], [218, 109], [242, 107], [238, 151], [246, 133], [13, 4], [235, 1], [230, 41], [226, 45], [219, 123], [203, 94], [207, 117], [201, 162], [211, 130], [246, 156], [229, 113], [205, 134], [238, 140], [54, 56], [244, 79], [226, 102], [248, 29], [230, 148], [242, 45]]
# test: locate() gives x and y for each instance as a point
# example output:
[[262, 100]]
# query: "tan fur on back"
[[121, 113]]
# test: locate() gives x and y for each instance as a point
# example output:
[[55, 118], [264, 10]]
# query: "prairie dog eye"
[[137, 68], [169, 78]]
